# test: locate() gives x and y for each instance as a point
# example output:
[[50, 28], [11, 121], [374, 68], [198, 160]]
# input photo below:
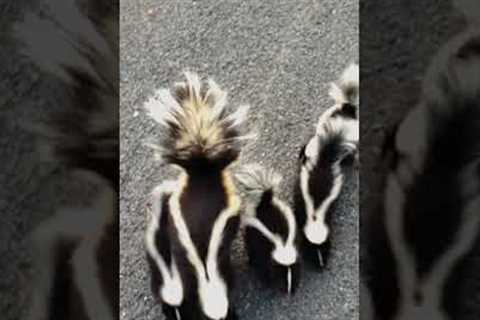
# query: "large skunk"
[[423, 249], [271, 229], [320, 172], [200, 215]]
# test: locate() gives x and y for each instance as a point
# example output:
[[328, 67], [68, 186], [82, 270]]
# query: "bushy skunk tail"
[[346, 90], [200, 130], [334, 140], [257, 180]]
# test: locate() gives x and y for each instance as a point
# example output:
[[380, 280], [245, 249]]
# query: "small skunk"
[[271, 230], [75, 250], [423, 245], [321, 178], [200, 216]]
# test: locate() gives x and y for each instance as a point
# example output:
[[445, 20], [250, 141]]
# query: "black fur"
[[347, 110], [322, 176], [320, 182], [208, 191], [201, 202], [162, 242], [260, 249]]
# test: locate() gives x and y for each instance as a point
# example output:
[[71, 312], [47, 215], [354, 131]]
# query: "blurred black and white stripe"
[[75, 250], [423, 242]]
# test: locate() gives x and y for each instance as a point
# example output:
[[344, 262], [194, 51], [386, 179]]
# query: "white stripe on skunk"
[[203, 139], [321, 177], [172, 288], [264, 183]]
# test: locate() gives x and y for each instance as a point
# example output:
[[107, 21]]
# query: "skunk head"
[[284, 255], [204, 228], [272, 242], [317, 238], [286, 277], [317, 234], [183, 295]]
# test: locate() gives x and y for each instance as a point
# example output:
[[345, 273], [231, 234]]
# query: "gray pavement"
[[276, 55]]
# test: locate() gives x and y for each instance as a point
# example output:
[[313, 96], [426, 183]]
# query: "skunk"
[[271, 230], [203, 140], [423, 243], [75, 250], [320, 177]]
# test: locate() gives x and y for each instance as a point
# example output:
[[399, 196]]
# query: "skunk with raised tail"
[[320, 170], [271, 229], [200, 213]]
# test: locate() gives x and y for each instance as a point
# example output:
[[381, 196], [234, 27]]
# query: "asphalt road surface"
[[277, 56]]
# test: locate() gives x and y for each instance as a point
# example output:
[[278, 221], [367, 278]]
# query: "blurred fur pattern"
[[82, 55], [202, 213], [75, 250], [423, 255]]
